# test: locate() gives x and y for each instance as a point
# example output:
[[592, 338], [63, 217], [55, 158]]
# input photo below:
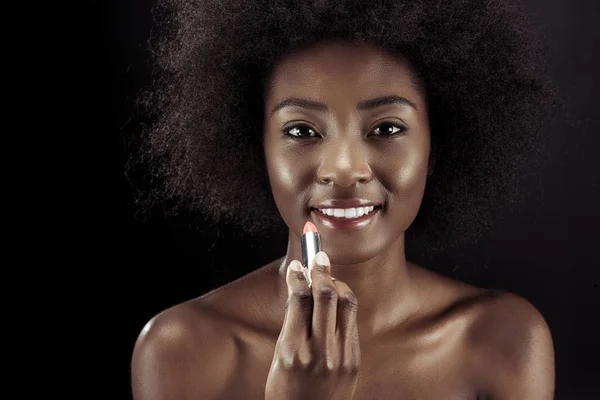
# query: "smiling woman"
[[366, 144], [384, 124]]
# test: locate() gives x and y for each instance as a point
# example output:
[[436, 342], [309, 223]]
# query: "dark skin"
[[414, 334]]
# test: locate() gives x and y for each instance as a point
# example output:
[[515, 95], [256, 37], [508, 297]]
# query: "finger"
[[347, 327], [325, 299], [299, 304]]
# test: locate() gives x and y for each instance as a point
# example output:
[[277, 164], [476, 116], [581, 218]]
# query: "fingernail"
[[321, 258], [296, 266]]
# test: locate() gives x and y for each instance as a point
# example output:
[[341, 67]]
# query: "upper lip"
[[346, 203]]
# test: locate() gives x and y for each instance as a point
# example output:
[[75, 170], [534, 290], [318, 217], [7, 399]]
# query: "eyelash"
[[400, 130]]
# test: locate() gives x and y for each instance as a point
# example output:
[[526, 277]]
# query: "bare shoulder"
[[508, 344], [512, 348], [181, 353]]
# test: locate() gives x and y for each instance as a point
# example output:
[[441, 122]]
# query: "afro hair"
[[482, 69]]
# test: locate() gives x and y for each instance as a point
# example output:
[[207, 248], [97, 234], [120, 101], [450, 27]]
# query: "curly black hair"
[[482, 69]]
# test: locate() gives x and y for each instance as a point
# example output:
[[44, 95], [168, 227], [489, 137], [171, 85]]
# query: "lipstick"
[[311, 245]]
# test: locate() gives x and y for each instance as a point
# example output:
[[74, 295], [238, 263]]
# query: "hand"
[[317, 355]]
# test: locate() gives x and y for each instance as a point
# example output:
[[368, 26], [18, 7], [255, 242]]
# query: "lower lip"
[[345, 223]]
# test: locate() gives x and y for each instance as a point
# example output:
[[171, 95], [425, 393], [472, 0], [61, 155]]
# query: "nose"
[[344, 162]]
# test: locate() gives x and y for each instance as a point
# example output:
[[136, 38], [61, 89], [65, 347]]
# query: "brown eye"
[[300, 131], [389, 129]]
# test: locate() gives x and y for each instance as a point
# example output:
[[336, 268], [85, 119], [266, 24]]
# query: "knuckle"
[[326, 293], [321, 269], [349, 301], [290, 358], [298, 275], [302, 297], [324, 366], [357, 356], [289, 361], [350, 368]]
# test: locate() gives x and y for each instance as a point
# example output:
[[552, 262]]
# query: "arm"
[[533, 373], [180, 355], [519, 361]]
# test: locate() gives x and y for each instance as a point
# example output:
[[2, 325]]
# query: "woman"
[[409, 123]]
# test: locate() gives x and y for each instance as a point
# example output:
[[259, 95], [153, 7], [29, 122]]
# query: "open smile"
[[346, 218]]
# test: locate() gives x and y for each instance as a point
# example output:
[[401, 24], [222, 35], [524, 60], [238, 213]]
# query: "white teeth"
[[350, 213], [347, 212]]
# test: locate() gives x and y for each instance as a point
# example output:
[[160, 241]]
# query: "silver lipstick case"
[[311, 245]]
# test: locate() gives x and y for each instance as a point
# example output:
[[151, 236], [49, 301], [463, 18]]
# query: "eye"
[[389, 129], [300, 131]]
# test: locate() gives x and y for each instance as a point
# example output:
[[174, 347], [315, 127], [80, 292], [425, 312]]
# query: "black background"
[[547, 251]]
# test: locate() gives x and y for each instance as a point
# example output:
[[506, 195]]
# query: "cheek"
[[288, 174], [413, 172], [281, 172], [406, 175]]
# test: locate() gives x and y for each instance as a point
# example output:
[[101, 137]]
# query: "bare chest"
[[387, 372]]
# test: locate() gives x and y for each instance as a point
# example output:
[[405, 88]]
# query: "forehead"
[[343, 71]]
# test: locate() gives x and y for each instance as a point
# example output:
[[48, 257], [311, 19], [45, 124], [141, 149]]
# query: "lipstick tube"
[[311, 245]]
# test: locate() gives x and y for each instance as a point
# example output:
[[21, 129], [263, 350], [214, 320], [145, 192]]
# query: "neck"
[[382, 284]]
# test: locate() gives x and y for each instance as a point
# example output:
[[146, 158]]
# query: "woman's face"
[[347, 122]]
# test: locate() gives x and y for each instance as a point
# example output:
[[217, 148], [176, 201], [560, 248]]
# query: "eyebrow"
[[362, 105]]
